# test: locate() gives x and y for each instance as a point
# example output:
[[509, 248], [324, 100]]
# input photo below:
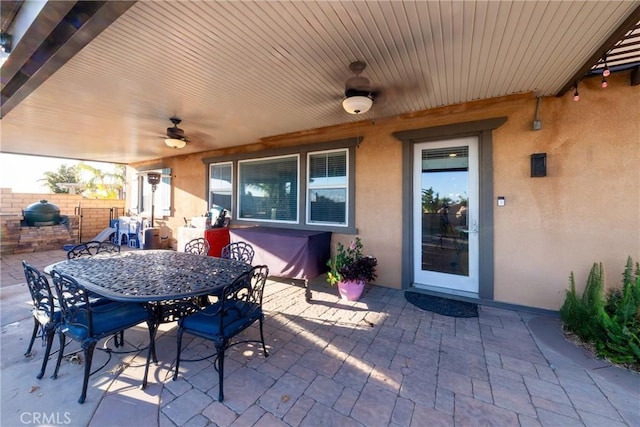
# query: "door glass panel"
[[445, 196]]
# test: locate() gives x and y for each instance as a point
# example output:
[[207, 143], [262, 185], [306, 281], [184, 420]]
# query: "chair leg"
[[36, 325], [264, 347], [175, 374], [88, 348], [220, 360], [63, 342], [49, 336], [118, 339]]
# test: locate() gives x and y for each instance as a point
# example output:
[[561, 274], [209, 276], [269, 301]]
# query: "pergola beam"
[[635, 76], [615, 37]]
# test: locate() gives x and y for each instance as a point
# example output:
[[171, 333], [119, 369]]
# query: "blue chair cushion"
[[42, 314], [108, 318], [206, 323]]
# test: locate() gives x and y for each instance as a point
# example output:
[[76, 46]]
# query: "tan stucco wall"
[[587, 209]]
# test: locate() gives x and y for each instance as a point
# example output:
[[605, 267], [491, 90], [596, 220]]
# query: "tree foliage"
[[96, 183], [64, 174], [430, 200], [100, 184]]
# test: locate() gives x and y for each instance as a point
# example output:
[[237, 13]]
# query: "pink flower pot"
[[350, 290]]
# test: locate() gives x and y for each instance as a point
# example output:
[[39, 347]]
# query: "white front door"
[[445, 212]]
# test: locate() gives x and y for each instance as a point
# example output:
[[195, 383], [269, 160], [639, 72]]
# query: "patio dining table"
[[151, 275], [171, 284]]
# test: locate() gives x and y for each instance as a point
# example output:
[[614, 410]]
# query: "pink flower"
[[352, 246]]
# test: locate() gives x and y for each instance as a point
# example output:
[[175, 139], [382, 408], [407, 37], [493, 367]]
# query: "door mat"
[[443, 306]]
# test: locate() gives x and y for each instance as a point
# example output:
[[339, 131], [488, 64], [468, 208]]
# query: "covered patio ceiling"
[[100, 80]]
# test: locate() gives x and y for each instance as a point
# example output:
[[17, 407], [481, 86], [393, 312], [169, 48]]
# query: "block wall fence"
[[95, 215]]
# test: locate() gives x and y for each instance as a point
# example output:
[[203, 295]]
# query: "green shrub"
[[573, 311], [612, 325]]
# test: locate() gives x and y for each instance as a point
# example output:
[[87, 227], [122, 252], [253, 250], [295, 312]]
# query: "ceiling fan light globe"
[[175, 143], [357, 104]]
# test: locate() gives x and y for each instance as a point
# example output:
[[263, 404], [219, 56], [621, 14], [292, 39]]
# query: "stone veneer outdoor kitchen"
[[16, 237]]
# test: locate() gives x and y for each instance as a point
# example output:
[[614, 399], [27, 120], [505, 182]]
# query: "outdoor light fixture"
[[5, 42], [606, 71], [538, 165], [357, 104], [175, 143], [604, 82], [576, 95], [358, 97]]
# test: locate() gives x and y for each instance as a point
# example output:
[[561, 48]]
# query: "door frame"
[[483, 129], [447, 281]]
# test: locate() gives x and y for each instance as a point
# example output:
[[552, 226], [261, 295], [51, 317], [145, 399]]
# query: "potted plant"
[[351, 270]]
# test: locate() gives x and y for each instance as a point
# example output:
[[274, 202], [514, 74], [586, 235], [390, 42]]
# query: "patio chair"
[[92, 248], [88, 324], [89, 249], [240, 305], [239, 251], [198, 246], [46, 315]]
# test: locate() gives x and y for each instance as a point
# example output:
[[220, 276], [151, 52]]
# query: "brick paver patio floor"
[[377, 362]]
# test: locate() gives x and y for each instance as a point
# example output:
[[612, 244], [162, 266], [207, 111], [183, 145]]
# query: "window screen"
[[164, 193], [134, 194], [220, 185], [162, 196], [327, 187], [268, 189]]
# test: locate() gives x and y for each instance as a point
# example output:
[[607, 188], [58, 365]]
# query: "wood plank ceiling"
[[236, 72]]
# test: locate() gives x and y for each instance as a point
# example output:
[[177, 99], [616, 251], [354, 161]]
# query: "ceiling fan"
[[175, 136], [358, 96]]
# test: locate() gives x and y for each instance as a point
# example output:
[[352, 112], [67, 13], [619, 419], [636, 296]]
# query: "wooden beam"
[[615, 37], [635, 76], [54, 49]]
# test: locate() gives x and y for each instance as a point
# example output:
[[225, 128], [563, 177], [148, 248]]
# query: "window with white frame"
[[142, 196], [268, 189], [327, 187], [309, 188], [221, 186]]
